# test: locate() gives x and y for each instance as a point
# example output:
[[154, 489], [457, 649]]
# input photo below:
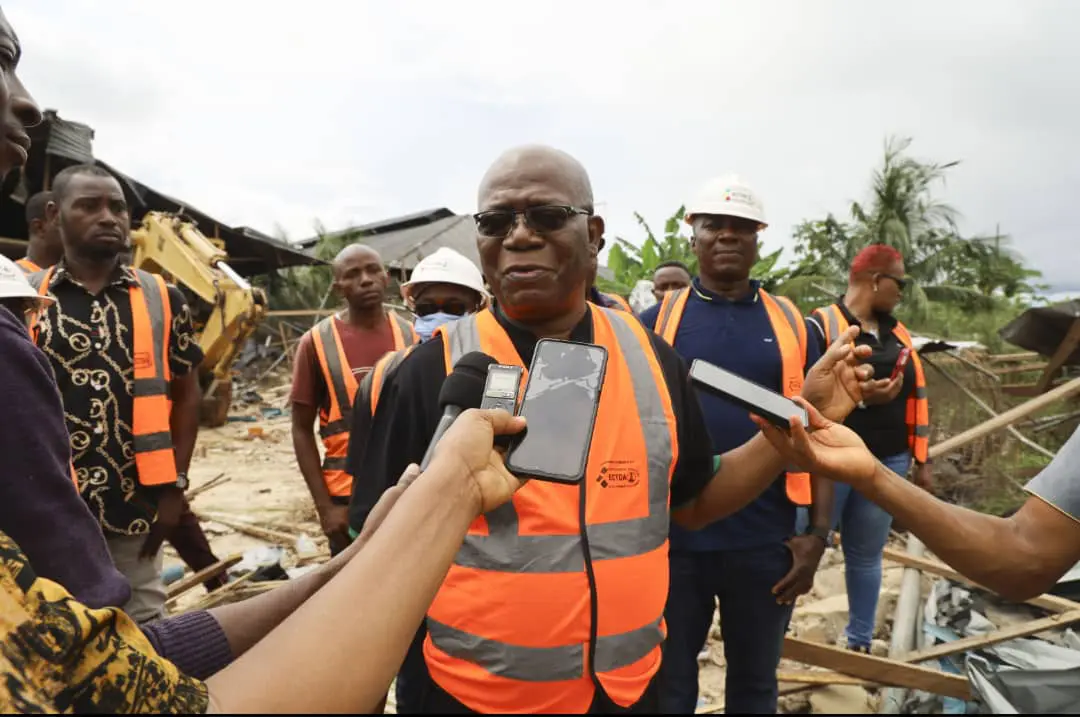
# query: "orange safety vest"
[[151, 319], [620, 302], [790, 329], [335, 422], [538, 609], [371, 386], [28, 266], [833, 323]]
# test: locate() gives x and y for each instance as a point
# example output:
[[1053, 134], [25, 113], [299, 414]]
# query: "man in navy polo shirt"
[[751, 562]]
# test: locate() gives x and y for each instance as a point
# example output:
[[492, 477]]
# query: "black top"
[[882, 427], [408, 412], [88, 340]]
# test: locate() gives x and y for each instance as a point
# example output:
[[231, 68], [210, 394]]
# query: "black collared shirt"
[[408, 412], [88, 340], [882, 427]]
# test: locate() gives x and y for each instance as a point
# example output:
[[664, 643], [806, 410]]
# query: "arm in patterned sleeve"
[[60, 655], [185, 355]]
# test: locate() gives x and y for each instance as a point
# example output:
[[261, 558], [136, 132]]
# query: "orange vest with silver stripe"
[[566, 583], [790, 330], [834, 323], [619, 302], [335, 421], [151, 327], [28, 266], [372, 384]]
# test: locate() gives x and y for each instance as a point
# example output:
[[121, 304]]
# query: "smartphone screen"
[[768, 404], [901, 361], [561, 398]]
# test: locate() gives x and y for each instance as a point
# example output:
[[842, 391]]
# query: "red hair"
[[875, 258]]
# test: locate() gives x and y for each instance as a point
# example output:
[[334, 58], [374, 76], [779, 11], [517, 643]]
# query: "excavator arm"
[[230, 308]]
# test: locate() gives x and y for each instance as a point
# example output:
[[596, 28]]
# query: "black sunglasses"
[[900, 281], [498, 223], [454, 307]]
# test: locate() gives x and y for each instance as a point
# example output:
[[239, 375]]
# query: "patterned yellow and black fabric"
[[58, 655]]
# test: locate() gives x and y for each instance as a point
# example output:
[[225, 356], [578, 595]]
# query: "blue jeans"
[[864, 530], [753, 626]]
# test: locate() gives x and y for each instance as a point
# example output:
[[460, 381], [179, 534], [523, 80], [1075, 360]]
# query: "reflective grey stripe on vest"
[[407, 338], [334, 464], [832, 323], [922, 431], [792, 319], [920, 392], [504, 550], [544, 664], [156, 386], [337, 379], [665, 313]]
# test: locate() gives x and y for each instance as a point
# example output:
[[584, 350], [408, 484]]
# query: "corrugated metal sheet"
[[1043, 328], [404, 248]]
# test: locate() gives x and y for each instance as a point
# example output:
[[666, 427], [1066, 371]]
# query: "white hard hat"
[[727, 196], [13, 283], [446, 266]]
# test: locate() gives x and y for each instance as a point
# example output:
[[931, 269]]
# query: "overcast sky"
[[277, 114]]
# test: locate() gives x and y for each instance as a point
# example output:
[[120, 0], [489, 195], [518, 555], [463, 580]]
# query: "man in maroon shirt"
[[331, 360]]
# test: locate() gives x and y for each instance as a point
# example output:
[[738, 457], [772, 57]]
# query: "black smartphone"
[[562, 396], [770, 405]]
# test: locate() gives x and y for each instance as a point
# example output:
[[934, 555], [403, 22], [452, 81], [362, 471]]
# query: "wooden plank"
[[1053, 603], [1012, 632], [1064, 351], [1006, 419], [1022, 356], [819, 679], [211, 571], [876, 669], [1022, 368]]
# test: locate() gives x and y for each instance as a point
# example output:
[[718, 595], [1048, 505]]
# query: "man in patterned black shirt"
[[132, 478]]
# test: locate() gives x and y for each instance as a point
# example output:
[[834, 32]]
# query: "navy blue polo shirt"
[[738, 336]]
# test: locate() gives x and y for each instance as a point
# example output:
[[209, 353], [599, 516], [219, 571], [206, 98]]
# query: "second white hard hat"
[[13, 283], [446, 266], [727, 196]]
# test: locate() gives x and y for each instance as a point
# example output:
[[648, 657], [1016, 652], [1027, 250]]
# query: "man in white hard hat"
[[749, 562], [443, 287]]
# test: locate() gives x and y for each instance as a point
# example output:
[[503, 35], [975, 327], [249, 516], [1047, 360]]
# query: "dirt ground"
[[264, 487]]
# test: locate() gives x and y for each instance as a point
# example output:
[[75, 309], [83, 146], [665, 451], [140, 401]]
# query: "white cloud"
[[273, 113]]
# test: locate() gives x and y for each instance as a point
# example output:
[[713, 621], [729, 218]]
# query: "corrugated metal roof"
[[403, 249]]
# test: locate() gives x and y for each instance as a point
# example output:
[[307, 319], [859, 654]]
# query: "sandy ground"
[[265, 488]]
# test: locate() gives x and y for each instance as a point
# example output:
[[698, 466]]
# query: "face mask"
[[425, 325]]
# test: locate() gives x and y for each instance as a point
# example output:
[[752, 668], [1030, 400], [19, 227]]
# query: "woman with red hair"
[[893, 421]]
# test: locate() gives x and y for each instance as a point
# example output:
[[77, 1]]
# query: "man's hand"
[[806, 552], [881, 391], [170, 507], [334, 520], [831, 450], [923, 476], [468, 448], [835, 384]]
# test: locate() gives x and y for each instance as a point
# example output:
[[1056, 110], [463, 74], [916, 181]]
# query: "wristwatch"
[[824, 533], [182, 481]]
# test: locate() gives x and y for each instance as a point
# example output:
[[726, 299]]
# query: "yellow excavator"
[[226, 309]]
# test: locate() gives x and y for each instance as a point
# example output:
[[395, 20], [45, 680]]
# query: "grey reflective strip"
[[545, 664], [832, 323], [665, 313], [333, 364], [406, 329], [150, 387], [793, 320], [35, 279], [503, 549], [334, 464], [922, 431], [920, 392], [526, 664], [155, 306], [333, 429], [152, 442], [462, 336]]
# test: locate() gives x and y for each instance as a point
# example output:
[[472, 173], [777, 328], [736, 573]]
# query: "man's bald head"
[[360, 278], [353, 253], [538, 163]]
